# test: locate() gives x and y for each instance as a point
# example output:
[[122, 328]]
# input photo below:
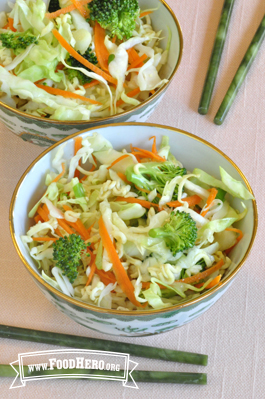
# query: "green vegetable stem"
[[74, 341], [138, 375], [241, 73], [216, 57]]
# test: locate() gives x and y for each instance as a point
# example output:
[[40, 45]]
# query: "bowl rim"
[[113, 118], [114, 312]]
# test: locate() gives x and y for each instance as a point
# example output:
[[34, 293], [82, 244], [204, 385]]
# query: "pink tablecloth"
[[232, 331]]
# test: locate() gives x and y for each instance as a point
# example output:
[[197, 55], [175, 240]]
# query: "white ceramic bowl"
[[45, 132], [192, 152]]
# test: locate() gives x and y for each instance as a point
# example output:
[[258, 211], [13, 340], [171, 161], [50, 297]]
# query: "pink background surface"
[[232, 331]]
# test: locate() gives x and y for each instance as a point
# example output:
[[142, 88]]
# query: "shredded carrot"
[[120, 273], [148, 154], [131, 93], [114, 39], [146, 191], [39, 81], [106, 277], [67, 94], [91, 84], [154, 150], [81, 59], [132, 54], [92, 272], [11, 24], [202, 275], [6, 26], [123, 177], [77, 146], [212, 283], [100, 48], [80, 8], [65, 10], [118, 160], [144, 203], [139, 62], [65, 226], [38, 218], [152, 91], [44, 239], [144, 13], [59, 67], [43, 214], [78, 225], [60, 175], [192, 200], [213, 193], [239, 237]]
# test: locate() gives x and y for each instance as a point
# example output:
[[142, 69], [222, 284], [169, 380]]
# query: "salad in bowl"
[[133, 229], [72, 60]]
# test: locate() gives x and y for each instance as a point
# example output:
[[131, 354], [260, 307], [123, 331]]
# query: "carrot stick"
[[131, 93], [120, 273], [38, 218], [44, 239], [202, 275], [114, 39], [91, 84], [106, 277], [67, 94], [100, 48], [213, 193], [78, 225], [65, 10], [192, 200], [123, 177], [237, 239], [10, 23], [80, 8], [132, 54], [144, 203], [92, 272], [65, 226], [146, 191], [43, 214], [60, 175], [152, 91], [118, 160], [81, 59], [139, 62], [215, 281], [154, 150], [149, 154], [6, 27], [78, 145], [144, 13]]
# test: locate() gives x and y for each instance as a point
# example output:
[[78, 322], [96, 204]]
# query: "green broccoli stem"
[[216, 57], [138, 375], [73, 341], [241, 73]]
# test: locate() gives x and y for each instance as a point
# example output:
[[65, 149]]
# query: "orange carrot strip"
[[152, 91], [81, 59], [132, 93], [132, 54], [59, 67], [38, 218], [212, 283], [78, 225], [60, 175], [106, 277], [92, 272], [114, 39], [144, 13], [120, 273], [240, 232], [11, 24], [80, 8], [144, 203], [100, 48], [139, 62], [149, 154], [77, 146], [43, 214], [6, 26], [118, 160], [91, 84], [202, 275], [39, 81], [67, 94], [146, 191], [154, 150], [192, 200], [65, 10], [65, 226], [213, 193], [44, 239], [123, 177]]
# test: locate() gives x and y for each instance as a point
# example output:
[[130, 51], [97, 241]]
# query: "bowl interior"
[[188, 149]]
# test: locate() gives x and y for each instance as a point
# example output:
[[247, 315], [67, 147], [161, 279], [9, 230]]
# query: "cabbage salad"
[[133, 230], [78, 59]]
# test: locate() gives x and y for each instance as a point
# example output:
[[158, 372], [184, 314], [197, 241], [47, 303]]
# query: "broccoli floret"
[[155, 175], [17, 40], [67, 254], [117, 16], [54, 5], [72, 73], [179, 233]]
